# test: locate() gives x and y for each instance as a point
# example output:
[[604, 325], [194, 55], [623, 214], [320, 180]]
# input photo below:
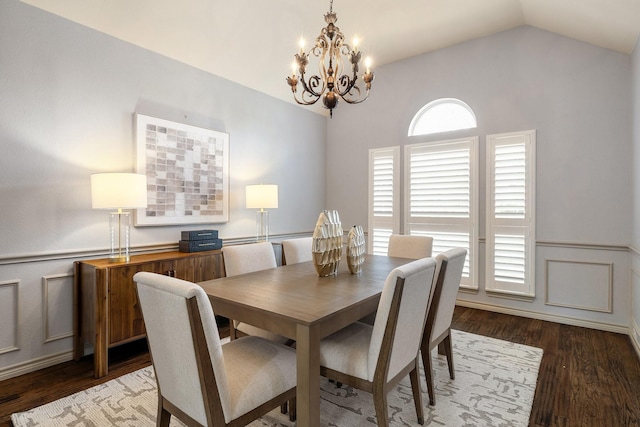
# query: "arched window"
[[442, 115]]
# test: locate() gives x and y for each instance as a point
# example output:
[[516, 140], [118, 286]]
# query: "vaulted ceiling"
[[252, 42]]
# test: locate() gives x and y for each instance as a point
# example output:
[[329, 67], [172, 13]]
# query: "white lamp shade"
[[118, 191], [262, 196]]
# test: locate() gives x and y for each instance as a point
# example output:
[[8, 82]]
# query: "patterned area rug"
[[494, 386]]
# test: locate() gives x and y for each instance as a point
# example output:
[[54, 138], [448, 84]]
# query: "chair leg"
[[292, 410], [283, 408], [428, 373], [417, 393], [163, 417], [448, 349], [232, 330], [380, 403]]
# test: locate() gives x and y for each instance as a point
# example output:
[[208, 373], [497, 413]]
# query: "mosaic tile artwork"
[[186, 169]]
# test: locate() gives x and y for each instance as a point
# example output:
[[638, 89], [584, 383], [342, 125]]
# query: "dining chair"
[[406, 246], [297, 250], [437, 331], [242, 259], [201, 381], [376, 358]]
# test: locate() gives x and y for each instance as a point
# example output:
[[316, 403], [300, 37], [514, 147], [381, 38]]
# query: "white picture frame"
[[187, 169]]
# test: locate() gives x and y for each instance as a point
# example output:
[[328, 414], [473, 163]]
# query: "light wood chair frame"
[[380, 387]]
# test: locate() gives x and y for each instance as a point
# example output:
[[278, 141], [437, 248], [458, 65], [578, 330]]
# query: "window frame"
[[422, 113]]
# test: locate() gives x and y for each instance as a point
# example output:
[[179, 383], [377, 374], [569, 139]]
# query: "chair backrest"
[[401, 316], [449, 275], [297, 250], [241, 259], [184, 344], [414, 247]]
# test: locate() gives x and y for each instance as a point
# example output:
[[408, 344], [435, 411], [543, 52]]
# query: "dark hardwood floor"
[[587, 377]]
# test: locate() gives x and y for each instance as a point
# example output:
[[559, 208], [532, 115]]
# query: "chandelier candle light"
[[331, 84]]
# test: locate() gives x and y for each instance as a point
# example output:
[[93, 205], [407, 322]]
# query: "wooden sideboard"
[[106, 309]]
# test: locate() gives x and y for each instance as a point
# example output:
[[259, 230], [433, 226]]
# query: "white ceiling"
[[252, 42]]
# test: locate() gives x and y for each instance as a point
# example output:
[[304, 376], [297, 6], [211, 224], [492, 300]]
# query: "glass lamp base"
[[119, 231], [262, 226]]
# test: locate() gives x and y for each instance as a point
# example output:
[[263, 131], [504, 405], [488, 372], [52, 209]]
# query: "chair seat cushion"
[[255, 331], [257, 370], [355, 338]]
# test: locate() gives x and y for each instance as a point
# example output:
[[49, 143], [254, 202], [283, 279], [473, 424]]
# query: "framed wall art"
[[187, 171]]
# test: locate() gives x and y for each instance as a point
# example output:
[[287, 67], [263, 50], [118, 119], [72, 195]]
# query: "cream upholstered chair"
[[200, 381], [404, 246], [375, 358], [297, 250], [414, 247], [437, 331], [242, 259]]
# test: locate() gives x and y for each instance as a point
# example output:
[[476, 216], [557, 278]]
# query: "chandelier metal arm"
[[330, 84]]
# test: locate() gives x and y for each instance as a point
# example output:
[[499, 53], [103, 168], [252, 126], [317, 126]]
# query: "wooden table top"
[[297, 293]]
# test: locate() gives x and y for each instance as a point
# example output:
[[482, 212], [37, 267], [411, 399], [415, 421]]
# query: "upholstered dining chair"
[[297, 250], [375, 358], [405, 246], [242, 259], [414, 247], [437, 331], [200, 381]]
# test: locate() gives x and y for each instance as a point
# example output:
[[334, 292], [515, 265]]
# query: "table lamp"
[[118, 191], [262, 197]]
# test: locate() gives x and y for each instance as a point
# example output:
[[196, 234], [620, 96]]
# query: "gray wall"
[[67, 98], [576, 96]]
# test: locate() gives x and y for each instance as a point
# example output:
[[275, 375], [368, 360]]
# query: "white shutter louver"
[[383, 186], [440, 184], [510, 181]]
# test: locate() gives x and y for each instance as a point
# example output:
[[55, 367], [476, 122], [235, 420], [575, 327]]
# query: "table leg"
[[308, 376]]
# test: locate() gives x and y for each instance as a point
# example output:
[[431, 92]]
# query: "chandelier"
[[332, 83]]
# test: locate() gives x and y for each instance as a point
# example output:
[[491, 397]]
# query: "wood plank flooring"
[[587, 378]]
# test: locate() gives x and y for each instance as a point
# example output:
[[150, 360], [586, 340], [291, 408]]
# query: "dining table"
[[295, 302]]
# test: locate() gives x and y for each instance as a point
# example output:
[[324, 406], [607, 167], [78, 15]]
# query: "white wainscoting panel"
[[582, 285], [57, 294], [9, 316]]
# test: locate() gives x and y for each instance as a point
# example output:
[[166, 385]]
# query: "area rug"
[[494, 386]]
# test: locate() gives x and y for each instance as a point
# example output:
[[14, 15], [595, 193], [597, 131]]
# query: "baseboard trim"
[[35, 365], [609, 327]]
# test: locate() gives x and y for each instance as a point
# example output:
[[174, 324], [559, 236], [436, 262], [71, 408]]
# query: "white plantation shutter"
[[511, 210], [441, 197], [384, 197], [439, 183]]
